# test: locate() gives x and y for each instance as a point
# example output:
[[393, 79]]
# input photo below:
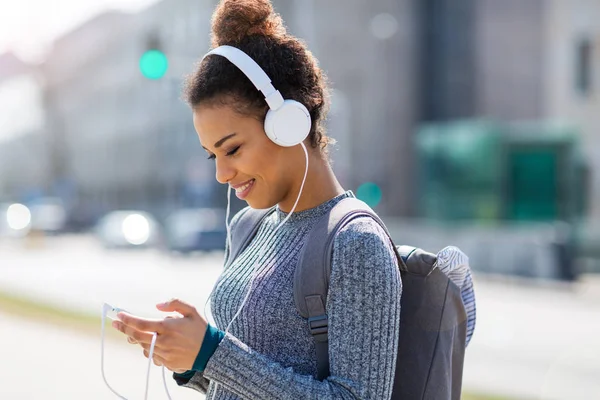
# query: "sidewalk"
[[530, 341], [42, 361]]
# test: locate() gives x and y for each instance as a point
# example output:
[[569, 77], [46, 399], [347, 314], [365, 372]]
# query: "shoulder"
[[231, 228], [363, 240], [360, 229], [242, 224], [247, 213], [238, 216]]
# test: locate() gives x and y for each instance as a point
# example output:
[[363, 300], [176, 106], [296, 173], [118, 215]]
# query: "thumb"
[[180, 306]]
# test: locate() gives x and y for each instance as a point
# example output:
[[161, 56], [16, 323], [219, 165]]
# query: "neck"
[[321, 185]]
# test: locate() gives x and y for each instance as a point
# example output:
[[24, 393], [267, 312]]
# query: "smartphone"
[[111, 312]]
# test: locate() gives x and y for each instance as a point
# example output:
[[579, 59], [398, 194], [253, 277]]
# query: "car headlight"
[[18, 217], [136, 229]]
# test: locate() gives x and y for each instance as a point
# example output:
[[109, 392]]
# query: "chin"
[[260, 202], [259, 205]]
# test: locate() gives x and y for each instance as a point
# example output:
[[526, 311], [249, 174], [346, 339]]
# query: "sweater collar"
[[314, 212]]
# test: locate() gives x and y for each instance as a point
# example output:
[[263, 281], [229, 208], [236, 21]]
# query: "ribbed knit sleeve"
[[364, 315]]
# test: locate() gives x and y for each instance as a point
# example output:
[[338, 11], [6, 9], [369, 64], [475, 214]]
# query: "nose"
[[224, 170]]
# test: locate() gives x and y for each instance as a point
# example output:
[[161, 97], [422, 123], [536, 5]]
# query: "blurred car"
[[128, 229], [15, 220], [195, 229], [48, 215]]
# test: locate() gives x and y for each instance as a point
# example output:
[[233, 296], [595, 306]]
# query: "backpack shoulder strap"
[[311, 277], [245, 230]]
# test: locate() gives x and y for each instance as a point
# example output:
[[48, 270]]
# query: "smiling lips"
[[242, 190]]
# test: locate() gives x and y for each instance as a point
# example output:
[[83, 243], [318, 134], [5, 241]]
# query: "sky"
[[27, 27]]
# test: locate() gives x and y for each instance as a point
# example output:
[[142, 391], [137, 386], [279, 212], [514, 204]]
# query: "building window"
[[583, 69]]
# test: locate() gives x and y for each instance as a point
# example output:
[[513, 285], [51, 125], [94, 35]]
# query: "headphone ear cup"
[[289, 125]]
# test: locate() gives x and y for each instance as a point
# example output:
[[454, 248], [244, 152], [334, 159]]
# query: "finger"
[[156, 359], [140, 324], [131, 340], [161, 352], [138, 336], [180, 306]]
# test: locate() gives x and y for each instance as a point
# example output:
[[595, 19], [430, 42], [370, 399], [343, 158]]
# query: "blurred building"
[[369, 51], [397, 64], [533, 61], [124, 141], [571, 77], [89, 88], [23, 160], [121, 140], [537, 59]]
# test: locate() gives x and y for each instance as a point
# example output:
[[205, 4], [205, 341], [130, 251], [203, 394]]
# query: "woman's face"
[[261, 172]]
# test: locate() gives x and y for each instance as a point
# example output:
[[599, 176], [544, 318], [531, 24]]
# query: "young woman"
[[260, 347]]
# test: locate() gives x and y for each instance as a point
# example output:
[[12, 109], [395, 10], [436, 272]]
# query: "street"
[[530, 342]]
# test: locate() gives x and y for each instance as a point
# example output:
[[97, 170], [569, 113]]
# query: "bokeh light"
[[136, 229], [18, 217], [370, 193], [154, 64]]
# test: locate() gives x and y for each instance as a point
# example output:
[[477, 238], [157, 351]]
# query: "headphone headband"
[[288, 122], [253, 71]]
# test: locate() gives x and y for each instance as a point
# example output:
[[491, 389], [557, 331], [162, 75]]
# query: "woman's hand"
[[178, 339]]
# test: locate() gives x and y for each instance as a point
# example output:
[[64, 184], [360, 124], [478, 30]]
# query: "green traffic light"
[[153, 64], [370, 193]]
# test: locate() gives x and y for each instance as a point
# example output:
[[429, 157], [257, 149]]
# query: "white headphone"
[[287, 122]]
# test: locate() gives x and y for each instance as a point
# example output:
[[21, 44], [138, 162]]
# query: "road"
[[531, 342]]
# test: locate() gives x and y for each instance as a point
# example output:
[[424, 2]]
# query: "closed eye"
[[229, 153], [232, 152]]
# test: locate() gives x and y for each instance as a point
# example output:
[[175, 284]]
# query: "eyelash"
[[230, 153]]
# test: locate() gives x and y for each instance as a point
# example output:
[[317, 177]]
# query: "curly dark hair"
[[255, 28]]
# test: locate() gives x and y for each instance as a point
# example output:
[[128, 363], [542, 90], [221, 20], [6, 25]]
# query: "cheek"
[[269, 169], [266, 160], [282, 173]]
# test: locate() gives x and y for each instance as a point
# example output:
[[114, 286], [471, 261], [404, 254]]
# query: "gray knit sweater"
[[269, 352]]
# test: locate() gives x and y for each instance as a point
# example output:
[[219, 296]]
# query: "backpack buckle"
[[319, 326]]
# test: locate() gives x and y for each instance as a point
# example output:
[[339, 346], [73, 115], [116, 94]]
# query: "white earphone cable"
[[150, 354], [253, 273], [150, 357], [262, 249], [227, 246], [227, 215], [165, 383], [102, 357], [247, 295]]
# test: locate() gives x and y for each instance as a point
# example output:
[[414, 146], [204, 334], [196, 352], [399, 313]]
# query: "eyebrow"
[[223, 140]]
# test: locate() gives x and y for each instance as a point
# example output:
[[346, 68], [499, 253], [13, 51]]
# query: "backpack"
[[433, 320]]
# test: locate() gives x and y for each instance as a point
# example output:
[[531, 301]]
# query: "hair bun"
[[233, 20]]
